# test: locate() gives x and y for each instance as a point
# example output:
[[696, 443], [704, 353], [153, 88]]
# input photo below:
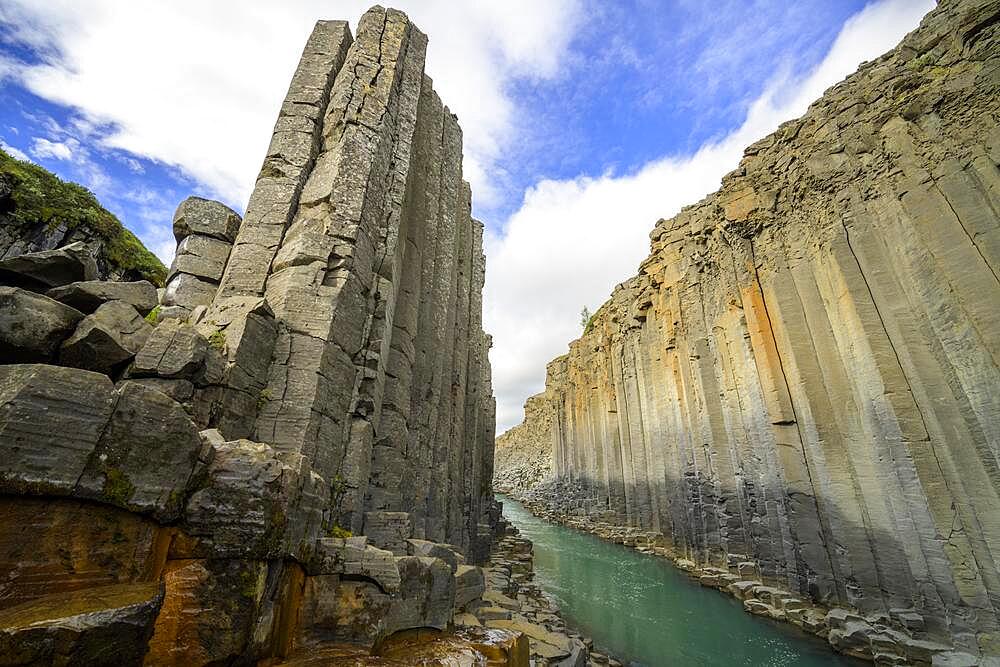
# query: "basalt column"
[[359, 239], [802, 385]]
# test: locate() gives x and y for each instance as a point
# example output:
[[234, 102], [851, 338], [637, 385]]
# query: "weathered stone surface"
[[803, 374], [195, 215], [106, 339], [390, 531], [188, 291], [208, 611], [146, 457], [354, 557], [51, 420], [49, 268], [426, 596], [59, 545], [445, 552], [201, 256], [175, 350], [103, 626], [254, 503], [88, 296], [32, 326], [470, 584]]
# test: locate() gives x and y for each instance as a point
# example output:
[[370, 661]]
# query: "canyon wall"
[[804, 376], [523, 455], [291, 445]]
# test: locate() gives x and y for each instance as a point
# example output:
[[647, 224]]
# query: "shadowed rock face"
[[805, 373], [315, 369]]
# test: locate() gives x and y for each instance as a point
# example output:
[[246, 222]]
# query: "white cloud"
[[15, 153], [573, 240], [43, 148], [198, 84]]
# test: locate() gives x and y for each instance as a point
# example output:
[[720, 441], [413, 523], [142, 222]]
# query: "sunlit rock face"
[[294, 447], [804, 376]]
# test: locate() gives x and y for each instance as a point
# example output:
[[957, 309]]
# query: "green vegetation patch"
[[32, 196]]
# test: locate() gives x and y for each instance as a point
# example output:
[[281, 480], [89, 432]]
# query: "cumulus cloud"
[[197, 84], [44, 148], [572, 240]]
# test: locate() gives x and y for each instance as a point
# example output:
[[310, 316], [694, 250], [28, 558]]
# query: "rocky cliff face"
[[523, 455], [804, 377], [39, 212], [188, 491]]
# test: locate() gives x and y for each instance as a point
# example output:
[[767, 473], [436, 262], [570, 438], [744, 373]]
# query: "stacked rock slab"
[[191, 475], [804, 378]]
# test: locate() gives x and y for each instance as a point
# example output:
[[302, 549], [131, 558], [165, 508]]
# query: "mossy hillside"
[[32, 197]]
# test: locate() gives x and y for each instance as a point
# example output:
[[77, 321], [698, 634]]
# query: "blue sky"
[[584, 120]]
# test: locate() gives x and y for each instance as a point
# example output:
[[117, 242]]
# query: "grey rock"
[[49, 268], [255, 503], [188, 291], [195, 215], [32, 326], [389, 531], [175, 350], [470, 584], [178, 389], [51, 420], [89, 295], [426, 596], [146, 457], [106, 339], [354, 557], [201, 256], [445, 552]]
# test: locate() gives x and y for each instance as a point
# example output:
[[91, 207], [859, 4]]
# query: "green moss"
[[35, 197], [117, 487], [923, 61], [153, 316], [336, 531], [248, 585], [218, 340], [265, 396]]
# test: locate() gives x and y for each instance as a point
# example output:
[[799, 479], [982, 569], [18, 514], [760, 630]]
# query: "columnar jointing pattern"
[[359, 237], [806, 370]]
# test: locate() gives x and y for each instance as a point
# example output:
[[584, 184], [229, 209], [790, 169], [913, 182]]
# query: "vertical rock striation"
[[299, 452], [804, 376]]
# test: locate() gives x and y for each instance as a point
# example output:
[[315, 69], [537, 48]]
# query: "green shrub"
[[32, 196]]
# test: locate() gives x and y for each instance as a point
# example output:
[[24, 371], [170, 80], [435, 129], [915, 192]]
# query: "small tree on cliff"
[[585, 316]]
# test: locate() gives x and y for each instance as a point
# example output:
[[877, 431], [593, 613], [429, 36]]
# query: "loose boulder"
[[49, 268], [32, 326], [106, 339], [88, 296], [209, 218], [146, 456]]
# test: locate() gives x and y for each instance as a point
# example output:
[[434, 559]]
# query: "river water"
[[644, 611]]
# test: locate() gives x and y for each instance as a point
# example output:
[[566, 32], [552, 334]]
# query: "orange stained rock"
[[59, 545]]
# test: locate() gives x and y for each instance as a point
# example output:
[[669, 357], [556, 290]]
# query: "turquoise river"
[[644, 611]]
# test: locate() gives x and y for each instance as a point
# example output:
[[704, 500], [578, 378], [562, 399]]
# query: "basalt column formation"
[[801, 386], [291, 445]]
